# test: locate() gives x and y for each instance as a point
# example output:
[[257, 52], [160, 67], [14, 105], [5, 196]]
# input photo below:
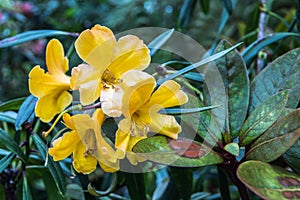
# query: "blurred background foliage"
[[199, 19]]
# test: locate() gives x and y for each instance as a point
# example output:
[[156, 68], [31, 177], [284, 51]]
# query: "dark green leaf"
[[159, 41], [292, 157], [183, 179], [234, 73], [32, 35], [198, 64], [223, 182], [26, 194], [205, 6], [26, 111], [7, 117], [74, 191], [252, 50], [6, 160], [136, 185], [13, 104], [283, 73], [277, 139], [263, 117], [269, 181], [10, 144], [54, 167], [186, 12], [298, 16], [180, 153]]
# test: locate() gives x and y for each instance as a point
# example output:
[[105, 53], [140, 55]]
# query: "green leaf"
[[263, 117], [136, 185], [269, 181], [234, 73], [32, 35], [159, 41], [186, 12], [292, 157], [10, 144], [205, 6], [283, 73], [13, 104], [54, 167], [6, 160], [180, 152], [7, 117], [277, 139], [26, 194], [74, 191], [183, 179], [26, 111], [232, 148], [252, 50], [179, 111], [198, 64], [194, 76]]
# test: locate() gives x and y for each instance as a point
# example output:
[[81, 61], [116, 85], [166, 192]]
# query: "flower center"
[[138, 129], [109, 79]]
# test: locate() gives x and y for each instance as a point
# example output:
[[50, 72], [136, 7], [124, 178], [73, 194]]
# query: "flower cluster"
[[111, 75]]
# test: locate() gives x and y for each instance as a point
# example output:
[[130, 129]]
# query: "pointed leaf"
[[198, 64], [32, 35], [13, 104], [6, 117], [180, 111], [252, 50], [26, 194], [232, 148], [292, 157], [205, 6], [228, 5], [53, 166], [9, 143], [180, 152], [6, 160], [263, 117], [26, 111], [283, 73], [159, 41], [186, 12], [269, 181], [236, 82]]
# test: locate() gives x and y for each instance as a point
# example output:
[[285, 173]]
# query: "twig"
[[261, 32]]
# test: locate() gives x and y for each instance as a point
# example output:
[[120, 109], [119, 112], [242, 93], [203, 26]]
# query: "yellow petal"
[[83, 162], [56, 63], [135, 158], [68, 121], [95, 46], [130, 53], [90, 134], [137, 86], [113, 167], [41, 83], [165, 125], [168, 95], [64, 146], [111, 101], [86, 79], [50, 105], [122, 137]]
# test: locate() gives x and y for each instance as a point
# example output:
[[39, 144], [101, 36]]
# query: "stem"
[[261, 32]]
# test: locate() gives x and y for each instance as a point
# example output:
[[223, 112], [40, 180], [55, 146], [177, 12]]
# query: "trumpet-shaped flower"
[[51, 88], [107, 60], [140, 107], [86, 143]]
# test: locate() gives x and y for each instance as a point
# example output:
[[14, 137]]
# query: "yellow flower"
[[140, 108], [107, 59], [51, 88], [86, 142]]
